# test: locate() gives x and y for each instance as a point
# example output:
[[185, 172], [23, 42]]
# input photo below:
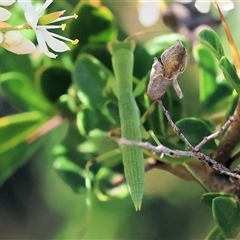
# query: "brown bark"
[[229, 141]]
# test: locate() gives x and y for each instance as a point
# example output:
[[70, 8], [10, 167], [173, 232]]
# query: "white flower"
[[4, 13], [46, 38], [148, 12], [7, 2], [203, 6], [15, 42], [11, 40]]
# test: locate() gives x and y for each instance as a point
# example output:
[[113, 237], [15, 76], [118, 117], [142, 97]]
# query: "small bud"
[[13, 38], [166, 70]]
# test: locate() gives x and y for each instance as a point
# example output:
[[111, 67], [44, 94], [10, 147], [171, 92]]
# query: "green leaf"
[[15, 157], [210, 39], [207, 198], [226, 213], [140, 88], [158, 45], [95, 24], [106, 148], [99, 51], [17, 128], [215, 234], [195, 130], [91, 77], [22, 64], [75, 148], [218, 100], [70, 173], [104, 186], [53, 82], [21, 92], [112, 112], [207, 71], [87, 122], [142, 62], [70, 158], [68, 107], [230, 73]]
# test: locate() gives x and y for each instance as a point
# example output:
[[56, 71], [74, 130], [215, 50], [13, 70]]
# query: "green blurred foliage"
[[69, 120]]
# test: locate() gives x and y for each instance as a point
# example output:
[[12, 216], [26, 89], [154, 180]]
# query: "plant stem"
[[232, 135], [229, 141], [197, 179]]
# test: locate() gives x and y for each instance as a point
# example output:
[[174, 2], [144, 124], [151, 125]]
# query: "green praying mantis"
[[164, 73], [133, 161]]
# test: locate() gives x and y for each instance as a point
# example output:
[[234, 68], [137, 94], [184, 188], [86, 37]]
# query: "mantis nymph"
[[164, 73], [122, 60]]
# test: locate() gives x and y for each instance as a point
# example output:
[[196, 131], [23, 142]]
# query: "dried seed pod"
[[166, 70]]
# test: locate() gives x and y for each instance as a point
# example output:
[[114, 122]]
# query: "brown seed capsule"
[[166, 70]]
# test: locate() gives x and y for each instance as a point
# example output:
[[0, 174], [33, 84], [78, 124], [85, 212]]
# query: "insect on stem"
[[177, 153]]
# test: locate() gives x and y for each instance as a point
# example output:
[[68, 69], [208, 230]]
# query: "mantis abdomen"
[[122, 60], [132, 157]]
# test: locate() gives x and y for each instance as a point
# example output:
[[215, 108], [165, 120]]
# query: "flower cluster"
[[149, 11], [204, 6], [12, 40]]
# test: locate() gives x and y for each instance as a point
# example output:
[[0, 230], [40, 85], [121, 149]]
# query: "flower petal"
[[43, 45], [26, 5], [32, 19], [55, 44], [30, 13], [226, 5], [7, 2], [44, 6], [13, 38], [4, 14], [203, 6], [25, 47], [148, 13], [1, 37]]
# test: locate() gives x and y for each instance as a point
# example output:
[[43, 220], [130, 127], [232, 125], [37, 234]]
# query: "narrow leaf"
[[13, 158], [230, 73], [207, 72], [215, 234], [21, 92], [210, 39], [15, 129]]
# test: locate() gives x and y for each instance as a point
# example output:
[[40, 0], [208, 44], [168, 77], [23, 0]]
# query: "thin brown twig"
[[165, 111], [179, 153], [45, 128], [216, 134]]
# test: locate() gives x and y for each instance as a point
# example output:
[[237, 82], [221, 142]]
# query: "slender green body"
[[122, 60]]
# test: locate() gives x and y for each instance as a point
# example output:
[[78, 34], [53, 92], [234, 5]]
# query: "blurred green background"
[[36, 204]]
